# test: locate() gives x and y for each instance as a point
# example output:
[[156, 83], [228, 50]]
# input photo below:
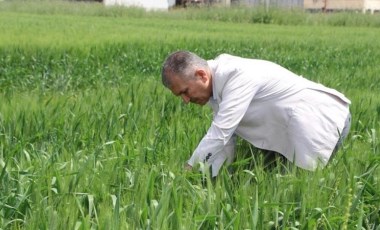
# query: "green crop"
[[89, 137]]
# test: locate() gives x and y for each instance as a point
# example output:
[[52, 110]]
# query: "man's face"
[[196, 90]]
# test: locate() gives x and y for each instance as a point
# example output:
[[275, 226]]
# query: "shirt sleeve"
[[215, 146]]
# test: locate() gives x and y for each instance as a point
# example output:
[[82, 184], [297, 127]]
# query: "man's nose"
[[185, 99]]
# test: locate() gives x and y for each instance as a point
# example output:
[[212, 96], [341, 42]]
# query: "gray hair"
[[182, 64]]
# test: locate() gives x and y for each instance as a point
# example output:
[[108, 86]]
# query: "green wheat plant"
[[90, 139]]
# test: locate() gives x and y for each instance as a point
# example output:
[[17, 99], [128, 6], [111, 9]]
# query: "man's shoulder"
[[225, 63], [225, 56], [237, 61]]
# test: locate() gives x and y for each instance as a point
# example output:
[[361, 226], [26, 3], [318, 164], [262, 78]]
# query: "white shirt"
[[273, 109]]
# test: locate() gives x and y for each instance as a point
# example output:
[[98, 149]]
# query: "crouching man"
[[263, 103]]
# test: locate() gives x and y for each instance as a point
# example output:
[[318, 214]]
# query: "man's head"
[[187, 76]]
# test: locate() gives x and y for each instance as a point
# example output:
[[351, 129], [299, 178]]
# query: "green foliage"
[[89, 138], [235, 13]]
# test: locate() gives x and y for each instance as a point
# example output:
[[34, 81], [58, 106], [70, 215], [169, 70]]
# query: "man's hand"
[[188, 167]]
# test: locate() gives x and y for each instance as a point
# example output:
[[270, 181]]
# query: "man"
[[263, 103]]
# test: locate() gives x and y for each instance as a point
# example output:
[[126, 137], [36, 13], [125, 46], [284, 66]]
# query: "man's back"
[[269, 105]]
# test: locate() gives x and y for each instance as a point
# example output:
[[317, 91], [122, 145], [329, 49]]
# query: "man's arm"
[[225, 156], [237, 95]]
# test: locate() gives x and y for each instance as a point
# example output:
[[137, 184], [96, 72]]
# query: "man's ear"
[[202, 74]]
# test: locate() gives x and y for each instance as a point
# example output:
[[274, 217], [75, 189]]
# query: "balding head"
[[182, 64]]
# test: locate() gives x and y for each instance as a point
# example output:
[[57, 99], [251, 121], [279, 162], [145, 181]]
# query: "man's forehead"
[[177, 84]]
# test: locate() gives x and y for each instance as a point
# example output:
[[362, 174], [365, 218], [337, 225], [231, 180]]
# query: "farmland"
[[90, 139]]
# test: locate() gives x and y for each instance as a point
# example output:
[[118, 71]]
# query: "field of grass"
[[90, 139]]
